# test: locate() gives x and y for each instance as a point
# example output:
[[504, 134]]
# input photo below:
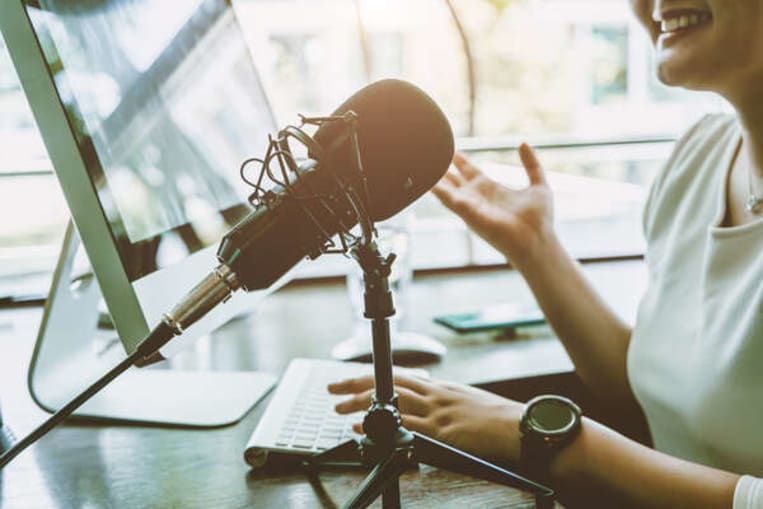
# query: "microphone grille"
[[406, 144]]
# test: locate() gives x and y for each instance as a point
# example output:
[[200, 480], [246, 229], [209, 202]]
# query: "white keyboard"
[[300, 418]]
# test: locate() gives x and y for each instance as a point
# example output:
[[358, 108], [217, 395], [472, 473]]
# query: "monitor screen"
[[165, 104]]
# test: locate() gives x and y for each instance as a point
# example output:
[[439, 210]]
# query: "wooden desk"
[[90, 465]]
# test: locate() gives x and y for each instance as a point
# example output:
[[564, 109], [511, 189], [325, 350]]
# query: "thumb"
[[532, 165]]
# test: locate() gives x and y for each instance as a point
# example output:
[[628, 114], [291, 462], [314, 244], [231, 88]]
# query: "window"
[[571, 76], [33, 210], [609, 65]]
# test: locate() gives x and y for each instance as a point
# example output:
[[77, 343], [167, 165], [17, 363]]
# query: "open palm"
[[510, 220]]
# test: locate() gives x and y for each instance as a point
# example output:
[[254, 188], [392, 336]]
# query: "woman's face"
[[706, 44]]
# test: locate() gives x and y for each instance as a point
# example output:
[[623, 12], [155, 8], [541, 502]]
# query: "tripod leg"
[[383, 480], [434, 453], [344, 454], [391, 494]]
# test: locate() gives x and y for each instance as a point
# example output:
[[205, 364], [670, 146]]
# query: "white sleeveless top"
[[695, 360]]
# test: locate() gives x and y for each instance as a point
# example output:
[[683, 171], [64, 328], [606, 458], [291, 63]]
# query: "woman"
[[693, 363]]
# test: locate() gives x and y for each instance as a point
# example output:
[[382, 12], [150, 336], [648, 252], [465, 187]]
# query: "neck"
[[749, 108]]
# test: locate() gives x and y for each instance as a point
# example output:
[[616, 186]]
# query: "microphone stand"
[[387, 445]]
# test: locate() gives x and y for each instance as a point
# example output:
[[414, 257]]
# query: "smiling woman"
[[691, 363]]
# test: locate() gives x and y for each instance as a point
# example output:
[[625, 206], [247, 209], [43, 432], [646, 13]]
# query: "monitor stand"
[[71, 352]]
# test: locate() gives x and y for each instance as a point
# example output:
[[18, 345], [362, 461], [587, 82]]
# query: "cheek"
[[742, 40], [739, 47]]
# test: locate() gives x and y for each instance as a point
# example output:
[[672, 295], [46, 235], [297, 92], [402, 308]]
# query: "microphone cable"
[[158, 336]]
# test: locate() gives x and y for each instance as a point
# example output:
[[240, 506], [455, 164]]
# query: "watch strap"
[[534, 458]]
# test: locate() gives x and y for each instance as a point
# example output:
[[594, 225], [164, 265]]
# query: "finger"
[[419, 424], [454, 179], [419, 385], [363, 383], [466, 168], [445, 192], [411, 402], [358, 402], [453, 386], [454, 200], [352, 385], [532, 165], [448, 196], [358, 428]]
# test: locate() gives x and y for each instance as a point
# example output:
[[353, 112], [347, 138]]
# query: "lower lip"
[[672, 37]]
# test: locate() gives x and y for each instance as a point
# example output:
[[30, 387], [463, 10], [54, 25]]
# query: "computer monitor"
[[147, 110]]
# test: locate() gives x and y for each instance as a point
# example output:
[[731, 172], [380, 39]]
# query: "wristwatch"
[[548, 423]]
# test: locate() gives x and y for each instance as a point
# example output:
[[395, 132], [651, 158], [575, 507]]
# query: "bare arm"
[[603, 466], [595, 338], [520, 225], [599, 468]]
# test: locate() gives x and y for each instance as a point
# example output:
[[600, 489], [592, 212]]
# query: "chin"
[[675, 76], [665, 77], [670, 77]]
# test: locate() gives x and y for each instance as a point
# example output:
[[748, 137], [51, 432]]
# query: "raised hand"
[[512, 221], [473, 420]]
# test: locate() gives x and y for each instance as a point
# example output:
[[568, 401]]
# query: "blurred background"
[[573, 77]]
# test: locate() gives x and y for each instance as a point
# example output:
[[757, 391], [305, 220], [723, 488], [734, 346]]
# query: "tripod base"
[[409, 450]]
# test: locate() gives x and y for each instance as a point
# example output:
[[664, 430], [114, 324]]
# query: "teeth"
[[683, 21]]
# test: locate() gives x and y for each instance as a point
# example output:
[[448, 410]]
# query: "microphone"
[[399, 146], [405, 144]]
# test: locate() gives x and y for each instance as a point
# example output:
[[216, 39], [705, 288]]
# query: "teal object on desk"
[[501, 316]]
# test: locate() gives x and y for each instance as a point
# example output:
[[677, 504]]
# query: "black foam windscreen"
[[406, 144]]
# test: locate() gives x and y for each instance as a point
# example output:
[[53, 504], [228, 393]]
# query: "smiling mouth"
[[680, 21]]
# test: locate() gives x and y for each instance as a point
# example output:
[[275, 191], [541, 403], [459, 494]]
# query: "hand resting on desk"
[[470, 419]]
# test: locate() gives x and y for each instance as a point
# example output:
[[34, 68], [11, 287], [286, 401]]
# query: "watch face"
[[551, 416]]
